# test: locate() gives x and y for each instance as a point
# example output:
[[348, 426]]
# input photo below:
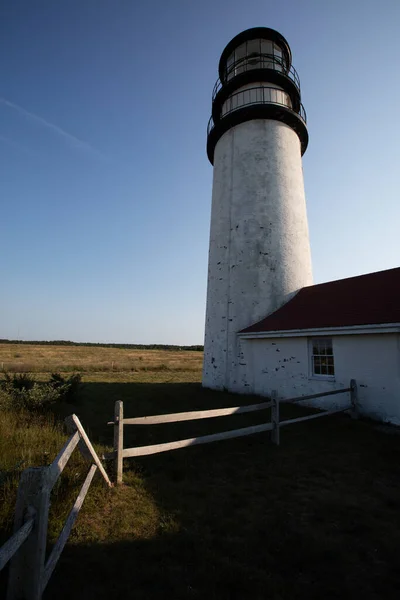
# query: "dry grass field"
[[317, 517], [26, 358]]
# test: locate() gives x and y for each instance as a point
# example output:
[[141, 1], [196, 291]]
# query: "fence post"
[[118, 440], [275, 417], [27, 565], [85, 446], [354, 399]]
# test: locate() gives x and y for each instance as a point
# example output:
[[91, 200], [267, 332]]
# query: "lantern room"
[[256, 81]]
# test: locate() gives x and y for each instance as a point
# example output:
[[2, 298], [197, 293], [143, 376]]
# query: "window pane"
[[322, 359], [253, 47], [266, 47], [229, 65], [240, 52]]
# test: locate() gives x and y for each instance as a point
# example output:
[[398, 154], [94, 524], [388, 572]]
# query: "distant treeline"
[[97, 345]]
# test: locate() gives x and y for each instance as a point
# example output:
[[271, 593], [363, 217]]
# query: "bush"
[[37, 398], [68, 388], [19, 381], [40, 397], [22, 392]]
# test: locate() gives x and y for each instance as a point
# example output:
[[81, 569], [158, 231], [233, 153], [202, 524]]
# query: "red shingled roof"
[[364, 300]]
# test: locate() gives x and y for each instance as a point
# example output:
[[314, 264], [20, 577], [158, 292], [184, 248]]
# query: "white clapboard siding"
[[205, 439]]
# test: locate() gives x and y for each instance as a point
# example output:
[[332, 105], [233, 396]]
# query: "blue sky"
[[104, 179]]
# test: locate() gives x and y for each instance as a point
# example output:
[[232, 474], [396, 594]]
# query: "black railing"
[[258, 61], [257, 95]]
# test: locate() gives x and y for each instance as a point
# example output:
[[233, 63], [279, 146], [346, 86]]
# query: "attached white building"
[[326, 335]]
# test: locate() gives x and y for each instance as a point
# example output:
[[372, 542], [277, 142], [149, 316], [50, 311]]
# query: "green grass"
[[317, 517]]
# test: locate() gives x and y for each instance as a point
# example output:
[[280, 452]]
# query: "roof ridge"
[[347, 278]]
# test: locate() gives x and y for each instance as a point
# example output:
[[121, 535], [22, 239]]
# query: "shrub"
[[37, 398], [67, 388], [22, 392], [19, 381], [6, 402], [40, 397]]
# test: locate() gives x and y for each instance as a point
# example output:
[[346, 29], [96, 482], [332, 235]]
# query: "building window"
[[321, 357]]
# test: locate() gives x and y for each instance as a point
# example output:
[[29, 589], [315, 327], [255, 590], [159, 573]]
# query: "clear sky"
[[104, 180]]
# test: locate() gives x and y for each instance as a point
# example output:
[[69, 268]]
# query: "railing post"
[[118, 440], [275, 417], [27, 565], [354, 399]]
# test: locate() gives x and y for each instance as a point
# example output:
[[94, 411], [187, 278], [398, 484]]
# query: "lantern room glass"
[[255, 54]]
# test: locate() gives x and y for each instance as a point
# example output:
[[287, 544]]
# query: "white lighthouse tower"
[[259, 245]]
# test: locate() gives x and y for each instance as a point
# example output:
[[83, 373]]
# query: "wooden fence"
[[29, 570], [120, 452], [352, 407]]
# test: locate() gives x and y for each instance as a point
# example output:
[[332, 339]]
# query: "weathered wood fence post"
[[27, 565], [26, 549], [118, 440], [354, 399], [85, 446], [275, 417]]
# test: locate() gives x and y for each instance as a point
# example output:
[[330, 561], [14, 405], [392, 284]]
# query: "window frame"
[[328, 344]]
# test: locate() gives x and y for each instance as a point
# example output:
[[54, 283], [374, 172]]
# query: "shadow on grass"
[[317, 517], [95, 407]]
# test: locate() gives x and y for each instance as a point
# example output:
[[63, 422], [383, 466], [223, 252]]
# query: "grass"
[[44, 359], [317, 517]]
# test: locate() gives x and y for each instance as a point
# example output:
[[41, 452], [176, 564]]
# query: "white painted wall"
[[373, 360], [259, 245]]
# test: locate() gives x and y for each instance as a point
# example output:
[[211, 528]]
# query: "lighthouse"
[[259, 253]]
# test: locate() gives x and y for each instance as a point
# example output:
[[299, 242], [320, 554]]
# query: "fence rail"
[[353, 407], [120, 453], [274, 425], [26, 549], [311, 396], [12, 545], [204, 439], [195, 415]]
